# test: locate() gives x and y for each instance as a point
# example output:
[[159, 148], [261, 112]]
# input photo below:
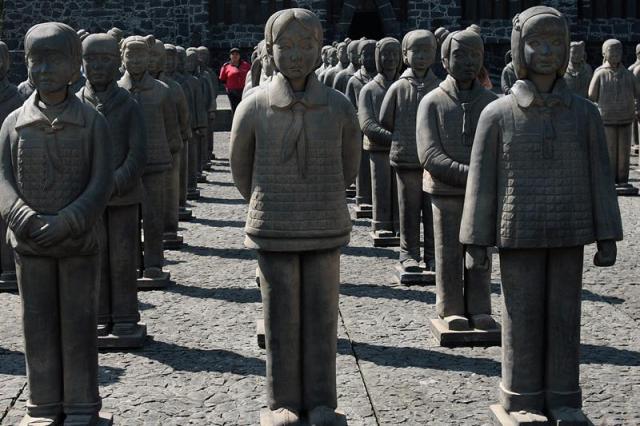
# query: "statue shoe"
[[456, 322], [568, 415], [411, 265], [483, 322], [323, 416], [284, 417], [153, 273]]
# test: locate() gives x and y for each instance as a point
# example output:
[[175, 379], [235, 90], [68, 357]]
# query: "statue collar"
[[31, 114], [450, 87], [281, 95], [408, 74], [526, 94], [126, 82]]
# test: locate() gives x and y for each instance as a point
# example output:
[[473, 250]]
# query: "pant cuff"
[[556, 399], [44, 410], [514, 401], [82, 407]]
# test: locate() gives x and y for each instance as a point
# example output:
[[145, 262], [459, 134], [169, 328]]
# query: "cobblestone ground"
[[202, 365]]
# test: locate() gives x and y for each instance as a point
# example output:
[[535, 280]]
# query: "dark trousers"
[[458, 291], [118, 300], [300, 301], [59, 301], [235, 96], [541, 328], [194, 162], [363, 181], [172, 196], [619, 146], [153, 218], [184, 174], [384, 193], [415, 208]]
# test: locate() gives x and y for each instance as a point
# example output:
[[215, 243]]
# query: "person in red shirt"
[[233, 75]]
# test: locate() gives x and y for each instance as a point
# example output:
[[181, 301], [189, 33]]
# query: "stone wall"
[[186, 22]]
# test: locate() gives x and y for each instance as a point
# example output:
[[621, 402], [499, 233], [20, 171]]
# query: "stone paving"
[[202, 365]]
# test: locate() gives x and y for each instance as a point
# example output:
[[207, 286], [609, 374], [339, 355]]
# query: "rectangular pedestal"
[[413, 278], [265, 419], [351, 192], [260, 333], [500, 417], [174, 243], [185, 215], [379, 241], [8, 286], [130, 341], [193, 195], [363, 212], [627, 191], [451, 338], [154, 283]]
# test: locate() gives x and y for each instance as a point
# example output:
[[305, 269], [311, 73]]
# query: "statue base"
[[414, 278], [157, 283], [566, 416], [202, 179], [266, 420], [502, 417], [8, 284], [351, 192], [458, 338], [207, 166], [384, 239], [262, 344], [104, 419], [363, 211], [172, 242], [626, 190], [133, 340], [193, 194], [185, 215]]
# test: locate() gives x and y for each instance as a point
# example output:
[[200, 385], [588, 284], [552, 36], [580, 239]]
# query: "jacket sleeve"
[[505, 81], [85, 210], [351, 93], [351, 145], [479, 216], [242, 146], [182, 108], [388, 109], [170, 117], [606, 212], [433, 157], [594, 88], [128, 174], [377, 135], [14, 210]]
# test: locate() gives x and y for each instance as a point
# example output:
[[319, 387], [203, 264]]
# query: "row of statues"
[[528, 173], [84, 155]]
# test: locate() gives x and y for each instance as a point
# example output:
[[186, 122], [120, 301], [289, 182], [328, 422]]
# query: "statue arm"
[[242, 146], [183, 114], [129, 173], [388, 109], [170, 117], [351, 145], [377, 134], [432, 155], [594, 88]]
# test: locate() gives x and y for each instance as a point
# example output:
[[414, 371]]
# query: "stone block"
[[155, 283], [473, 337], [134, 340], [384, 241], [403, 277], [500, 417]]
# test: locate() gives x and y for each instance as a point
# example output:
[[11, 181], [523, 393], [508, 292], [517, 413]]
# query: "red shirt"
[[233, 76]]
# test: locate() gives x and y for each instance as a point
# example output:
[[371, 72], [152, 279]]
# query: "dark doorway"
[[366, 24]]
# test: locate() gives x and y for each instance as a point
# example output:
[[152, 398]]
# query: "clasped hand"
[[47, 230]]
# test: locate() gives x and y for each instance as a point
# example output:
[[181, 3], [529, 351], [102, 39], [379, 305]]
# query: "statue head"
[[5, 59], [540, 42], [116, 33], [203, 56], [577, 52], [53, 54], [100, 59], [324, 56], [343, 54], [135, 51], [462, 55], [419, 49], [192, 60], [157, 58], [352, 52], [612, 52], [171, 55], [367, 54], [181, 59], [388, 57], [332, 54]]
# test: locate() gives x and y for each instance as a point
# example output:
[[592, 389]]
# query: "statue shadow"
[[370, 252], [221, 183], [217, 223], [241, 253], [596, 354], [385, 292], [403, 357], [594, 297], [232, 294], [143, 306], [173, 261], [215, 200], [182, 358]]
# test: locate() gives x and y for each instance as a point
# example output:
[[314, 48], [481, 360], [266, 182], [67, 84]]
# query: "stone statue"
[[579, 72], [343, 62], [266, 70], [377, 143], [614, 89], [175, 72], [118, 315], [51, 198], [441, 35], [342, 78], [163, 137], [324, 57], [116, 33], [446, 124], [157, 66], [508, 77], [367, 59], [540, 188], [398, 115], [10, 99], [198, 86], [634, 130], [312, 133], [211, 79], [332, 57]]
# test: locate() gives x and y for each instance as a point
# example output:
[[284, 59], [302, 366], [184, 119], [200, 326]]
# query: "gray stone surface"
[[202, 364]]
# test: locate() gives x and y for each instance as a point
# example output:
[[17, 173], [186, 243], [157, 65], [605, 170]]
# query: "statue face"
[[50, 69], [181, 60], [368, 57], [202, 58], [343, 56], [100, 65], [544, 44], [295, 52], [613, 54], [156, 63], [135, 58], [170, 62], [576, 54], [333, 57], [354, 58], [420, 54], [325, 58], [390, 58], [464, 62], [191, 63]]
